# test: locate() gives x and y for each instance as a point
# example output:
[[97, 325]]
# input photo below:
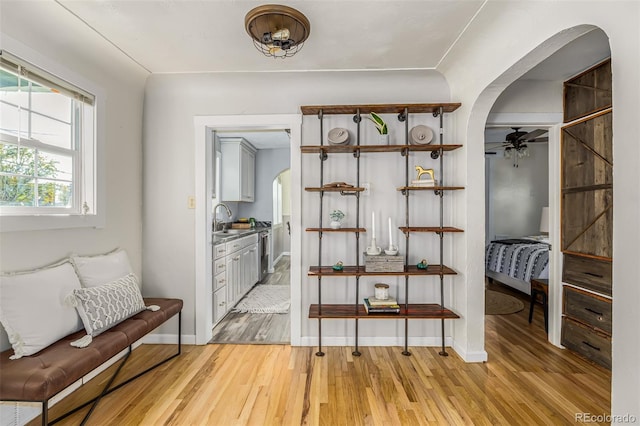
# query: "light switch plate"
[[191, 202]]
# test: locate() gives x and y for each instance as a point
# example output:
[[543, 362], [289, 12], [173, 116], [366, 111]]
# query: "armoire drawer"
[[586, 272], [591, 344], [588, 308]]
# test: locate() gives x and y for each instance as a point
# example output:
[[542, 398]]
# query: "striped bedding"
[[521, 261]]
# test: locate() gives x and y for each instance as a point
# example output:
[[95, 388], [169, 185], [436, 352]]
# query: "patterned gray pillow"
[[104, 306]]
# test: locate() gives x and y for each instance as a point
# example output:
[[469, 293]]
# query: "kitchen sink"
[[231, 232]]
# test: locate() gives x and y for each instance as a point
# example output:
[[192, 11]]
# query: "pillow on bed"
[[101, 269], [33, 310], [102, 307]]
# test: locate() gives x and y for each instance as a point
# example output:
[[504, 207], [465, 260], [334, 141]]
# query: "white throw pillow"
[[102, 269], [33, 309], [104, 306]]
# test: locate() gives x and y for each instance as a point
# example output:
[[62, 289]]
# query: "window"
[[47, 143]]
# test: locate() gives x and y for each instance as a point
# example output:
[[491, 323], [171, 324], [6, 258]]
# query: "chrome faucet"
[[215, 217]]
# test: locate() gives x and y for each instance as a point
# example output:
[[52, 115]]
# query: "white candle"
[[373, 224], [390, 235]]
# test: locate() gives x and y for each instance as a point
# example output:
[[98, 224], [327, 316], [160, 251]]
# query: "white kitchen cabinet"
[[235, 271], [249, 267], [237, 170], [219, 304], [234, 278]]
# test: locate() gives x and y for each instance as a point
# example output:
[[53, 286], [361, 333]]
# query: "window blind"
[[34, 74]]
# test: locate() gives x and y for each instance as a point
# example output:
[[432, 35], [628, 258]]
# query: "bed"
[[515, 262]]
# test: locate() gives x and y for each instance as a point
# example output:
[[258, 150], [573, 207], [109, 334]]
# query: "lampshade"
[[277, 31], [544, 220]]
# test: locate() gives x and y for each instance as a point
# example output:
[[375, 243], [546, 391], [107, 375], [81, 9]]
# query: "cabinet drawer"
[[219, 251], [219, 281], [219, 266], [586, 341], [219, 304], [586, 272], [233, 246], [587, 308]]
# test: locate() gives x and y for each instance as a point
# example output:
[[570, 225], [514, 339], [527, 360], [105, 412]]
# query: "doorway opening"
[[255, 202], [515, 197]]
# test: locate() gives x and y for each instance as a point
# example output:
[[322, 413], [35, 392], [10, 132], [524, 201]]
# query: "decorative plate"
[[420, 135], [338, 136]]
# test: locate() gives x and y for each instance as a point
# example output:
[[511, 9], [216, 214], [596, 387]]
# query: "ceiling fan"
[[515, 144]]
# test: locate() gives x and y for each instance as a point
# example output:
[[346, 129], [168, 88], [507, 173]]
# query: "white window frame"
[[90, 155]]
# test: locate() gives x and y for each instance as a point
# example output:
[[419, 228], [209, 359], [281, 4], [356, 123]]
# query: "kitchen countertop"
[[220, 237]]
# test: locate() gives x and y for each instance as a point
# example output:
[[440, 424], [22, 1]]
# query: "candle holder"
[[373, 249], [391, 250]]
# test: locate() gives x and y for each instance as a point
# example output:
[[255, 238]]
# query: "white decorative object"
[[391, 250], [381, 291], [383, 139], [336, 219], [338, 136], [101, 307], [101, 269], [373, 248], [420, 135], [33, 310]]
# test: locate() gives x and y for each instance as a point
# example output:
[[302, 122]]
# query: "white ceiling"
[[172, 36], [188, 36]]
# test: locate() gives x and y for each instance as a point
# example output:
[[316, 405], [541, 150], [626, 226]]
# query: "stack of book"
[[424, 182], [379, 306]]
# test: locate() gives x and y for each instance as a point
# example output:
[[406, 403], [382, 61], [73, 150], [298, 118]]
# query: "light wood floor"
[[526, 381], [245, 328]]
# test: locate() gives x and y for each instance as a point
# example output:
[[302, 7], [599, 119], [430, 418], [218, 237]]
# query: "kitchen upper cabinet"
[[237, 169]]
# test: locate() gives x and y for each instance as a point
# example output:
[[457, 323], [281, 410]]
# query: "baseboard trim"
[[472, 356], [168, 339]]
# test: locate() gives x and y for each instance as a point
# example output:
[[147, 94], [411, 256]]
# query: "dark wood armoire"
[[586, 211]]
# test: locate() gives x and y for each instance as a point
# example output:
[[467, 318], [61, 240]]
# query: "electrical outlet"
[[367, 189], [191, 202]]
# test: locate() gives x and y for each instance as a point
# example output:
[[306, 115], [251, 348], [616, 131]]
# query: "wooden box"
[[383, 263]]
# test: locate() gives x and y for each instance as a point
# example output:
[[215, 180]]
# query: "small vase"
[[383, 139], [335, 224]]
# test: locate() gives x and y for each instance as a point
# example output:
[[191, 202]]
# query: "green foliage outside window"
[[21, 169]]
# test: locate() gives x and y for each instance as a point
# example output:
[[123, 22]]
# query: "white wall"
[[55, 35], [269, 164], [172, 101], [496, 61], [516, 195]]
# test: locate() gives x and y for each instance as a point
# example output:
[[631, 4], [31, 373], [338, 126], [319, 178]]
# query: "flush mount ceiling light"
[[277, 31]]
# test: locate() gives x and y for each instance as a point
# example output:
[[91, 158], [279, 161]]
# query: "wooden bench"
[[40, 377]]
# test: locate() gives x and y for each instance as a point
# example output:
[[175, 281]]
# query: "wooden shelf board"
[[430, 188], [429, 229], [352, 271], [336, 230], [379, 108], [342, 149], [415, 311], [332, 189]]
